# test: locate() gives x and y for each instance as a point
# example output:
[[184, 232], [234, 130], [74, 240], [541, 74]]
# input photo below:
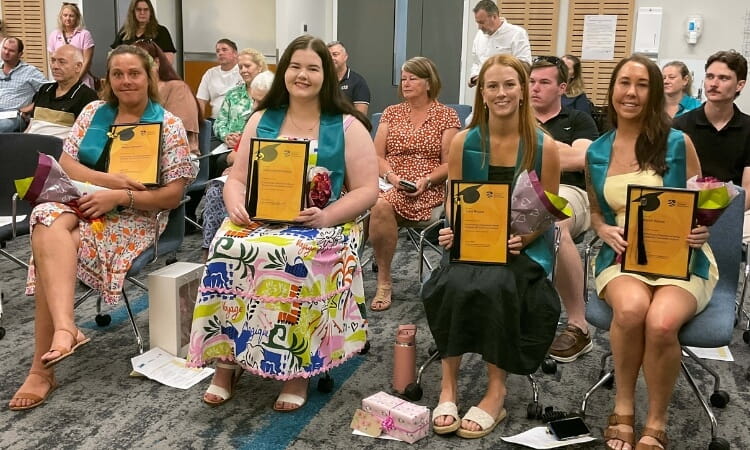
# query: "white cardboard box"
[[172, 291]]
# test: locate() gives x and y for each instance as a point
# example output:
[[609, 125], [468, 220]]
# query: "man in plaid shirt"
[[18, 84]]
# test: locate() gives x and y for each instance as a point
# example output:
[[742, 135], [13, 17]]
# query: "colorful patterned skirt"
[[283, 301]]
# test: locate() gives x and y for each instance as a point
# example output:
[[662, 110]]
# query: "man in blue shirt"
[[18, 84]]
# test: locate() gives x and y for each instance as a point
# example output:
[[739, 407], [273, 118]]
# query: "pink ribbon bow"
[[387, 424]]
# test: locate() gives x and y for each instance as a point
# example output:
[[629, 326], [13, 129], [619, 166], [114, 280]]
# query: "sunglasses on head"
[[550, 59]]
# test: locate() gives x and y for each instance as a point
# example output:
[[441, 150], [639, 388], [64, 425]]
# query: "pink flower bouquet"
[[532, 208], [713, 198]]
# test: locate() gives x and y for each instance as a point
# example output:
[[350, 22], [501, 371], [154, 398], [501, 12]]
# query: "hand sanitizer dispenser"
[[694, 28]]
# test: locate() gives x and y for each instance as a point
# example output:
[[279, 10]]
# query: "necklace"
[[312, 127]]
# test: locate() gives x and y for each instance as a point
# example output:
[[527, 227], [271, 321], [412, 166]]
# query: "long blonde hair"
[[75, 10], [527, 126], [575, 85]]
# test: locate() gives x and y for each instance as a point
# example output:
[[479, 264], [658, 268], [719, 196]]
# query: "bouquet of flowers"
[[319, 189], [532, 208], [713, 198], [50, 183]]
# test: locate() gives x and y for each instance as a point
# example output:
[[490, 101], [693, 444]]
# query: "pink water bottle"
[[404, 357]]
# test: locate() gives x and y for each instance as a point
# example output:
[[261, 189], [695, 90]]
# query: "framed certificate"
[[658, 221], [277, 179], [135, 150], [481, 221]]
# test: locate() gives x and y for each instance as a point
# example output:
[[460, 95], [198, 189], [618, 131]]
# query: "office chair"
[[196, 188], [711, 328], [165, 245], [18, 159]]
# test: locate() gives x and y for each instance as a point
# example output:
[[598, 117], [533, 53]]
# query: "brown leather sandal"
[[382, 299], [35, 399], [659, 435], [78, 340], [612, 433]]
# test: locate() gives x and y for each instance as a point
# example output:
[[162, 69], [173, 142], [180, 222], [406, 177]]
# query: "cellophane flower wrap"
[[532, 208], [319, 190], [50, 183], [713, 198]]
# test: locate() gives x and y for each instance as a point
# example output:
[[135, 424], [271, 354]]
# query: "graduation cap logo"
[[645, 202], [124, 134], [268, 152]]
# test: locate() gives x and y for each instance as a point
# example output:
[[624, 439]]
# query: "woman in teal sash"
[[286, 301], [508, 314], [67, 245], [648, 312]]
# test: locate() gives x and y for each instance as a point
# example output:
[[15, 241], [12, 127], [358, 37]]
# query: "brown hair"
[[734, 60], [130, 29], [684, 73], [425, 69], [527, 126], [575, 85], [109, 96]]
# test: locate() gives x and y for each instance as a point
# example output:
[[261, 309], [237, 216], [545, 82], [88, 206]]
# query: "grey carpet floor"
[[99, 406]]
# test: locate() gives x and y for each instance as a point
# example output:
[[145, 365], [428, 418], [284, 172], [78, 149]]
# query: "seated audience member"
[[412, 144], [176, 96], [720, 131], [352, 84], [306, 314], [648, 311], [219, 79], [19, 82], [57, 105], [141, 23], [65, 244], [487, 309], [71, 31], [573, 132], [678, 89], [215, 212], [575, 95]]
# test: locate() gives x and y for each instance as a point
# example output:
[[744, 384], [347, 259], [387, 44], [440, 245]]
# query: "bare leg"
[[383, 232], [671, 308], [448, 386], [569, 278], [630, 300], [494, 399]]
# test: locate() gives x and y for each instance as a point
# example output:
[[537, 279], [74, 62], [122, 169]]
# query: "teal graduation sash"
[[330, 143], [95, 140], [597, 161], [475, 167]]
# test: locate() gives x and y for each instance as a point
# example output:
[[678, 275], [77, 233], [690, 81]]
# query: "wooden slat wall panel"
[[25, 19], [539, 17], [596, 73]]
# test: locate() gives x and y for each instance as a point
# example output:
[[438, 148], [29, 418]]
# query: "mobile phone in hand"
[[409, 186], [569, 428]]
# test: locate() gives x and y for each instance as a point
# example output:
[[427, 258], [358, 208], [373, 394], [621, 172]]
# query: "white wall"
[[723, 27], [293, 15]]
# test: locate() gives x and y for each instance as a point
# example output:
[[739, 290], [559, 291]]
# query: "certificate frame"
[[135, 149], [277, 186], [480, 210], [668, 216]]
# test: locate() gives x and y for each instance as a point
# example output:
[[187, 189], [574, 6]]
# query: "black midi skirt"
[[508, 314]]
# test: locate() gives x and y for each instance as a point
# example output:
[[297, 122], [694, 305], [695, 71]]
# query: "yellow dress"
[[615, 193]]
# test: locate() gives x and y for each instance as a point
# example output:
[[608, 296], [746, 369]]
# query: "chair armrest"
[[587, 269], [157, 220], [14, 213]]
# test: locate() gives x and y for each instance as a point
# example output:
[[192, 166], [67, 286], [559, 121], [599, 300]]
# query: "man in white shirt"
[[495, 36], [219, 79]]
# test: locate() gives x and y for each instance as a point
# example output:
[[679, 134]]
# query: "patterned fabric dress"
[[414, 153], [105, 257], [283, 301]]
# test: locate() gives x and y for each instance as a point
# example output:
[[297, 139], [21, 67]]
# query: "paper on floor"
[[168, 369], [382, 436], [539, 438], [7, 220], [719, 353]]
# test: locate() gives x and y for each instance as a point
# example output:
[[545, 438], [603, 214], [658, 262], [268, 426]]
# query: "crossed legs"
[[643, 332]]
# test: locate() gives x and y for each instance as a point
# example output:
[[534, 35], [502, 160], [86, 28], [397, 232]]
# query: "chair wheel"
[[103, 319], [2, 332], [413, 392], [325, 384], [432, 350], [549, 366], [718, 443], [610, 383], [719, 399], [578, 412], [534, 411], [746, 337], [365, 349], [374, 267]]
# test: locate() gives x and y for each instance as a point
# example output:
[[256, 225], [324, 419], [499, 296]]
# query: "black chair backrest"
[[19, 153], [204, 144]]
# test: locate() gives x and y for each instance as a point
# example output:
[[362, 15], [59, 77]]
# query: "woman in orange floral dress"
[[412, 145], [65, 246]]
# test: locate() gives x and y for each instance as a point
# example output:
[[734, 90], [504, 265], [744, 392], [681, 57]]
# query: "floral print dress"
[[105, 256]]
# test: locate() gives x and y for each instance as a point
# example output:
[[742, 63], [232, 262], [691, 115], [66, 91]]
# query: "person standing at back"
[[495, 36], [71, 31], [141, 23]]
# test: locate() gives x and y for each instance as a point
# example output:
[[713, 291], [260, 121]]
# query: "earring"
[[485, 105]]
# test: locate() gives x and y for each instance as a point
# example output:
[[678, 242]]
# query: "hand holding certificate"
[[135, 151], [480, 222], [657, 223]]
